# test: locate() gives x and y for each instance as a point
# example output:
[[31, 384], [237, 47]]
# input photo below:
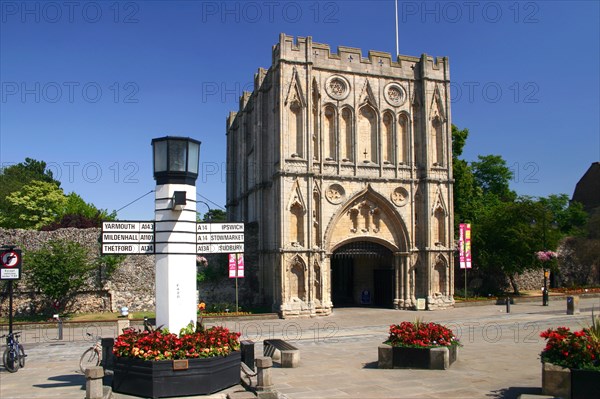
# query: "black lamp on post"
[[175, 160], [554, 225]]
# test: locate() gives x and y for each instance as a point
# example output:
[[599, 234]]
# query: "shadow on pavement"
[[514, 392], [70, 380]]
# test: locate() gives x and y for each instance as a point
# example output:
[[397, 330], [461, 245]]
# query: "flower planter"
[[556, 380], [585, 384], [164, 378], [440, 358]]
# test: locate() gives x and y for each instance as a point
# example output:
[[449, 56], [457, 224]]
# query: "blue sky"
[[86, 85]]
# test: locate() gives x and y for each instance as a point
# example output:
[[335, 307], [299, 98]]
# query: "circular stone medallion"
[[399, 196], [337, 87], [335, 193], [394, 94]]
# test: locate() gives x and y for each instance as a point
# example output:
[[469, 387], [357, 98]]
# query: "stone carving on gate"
[[337, 87], [395, 94], [399, 196], [335, 194], [365, 216]]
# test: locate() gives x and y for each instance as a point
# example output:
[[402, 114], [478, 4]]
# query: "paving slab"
[[499, 359]]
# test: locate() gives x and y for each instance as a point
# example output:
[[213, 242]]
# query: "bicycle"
[[92, 356], [14, 354]]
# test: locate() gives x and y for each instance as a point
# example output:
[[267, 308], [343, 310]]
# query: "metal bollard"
[[247, 349], [507, 304], [59, 326]]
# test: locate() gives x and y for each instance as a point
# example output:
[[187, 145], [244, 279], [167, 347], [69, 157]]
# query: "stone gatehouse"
[[342, 166]]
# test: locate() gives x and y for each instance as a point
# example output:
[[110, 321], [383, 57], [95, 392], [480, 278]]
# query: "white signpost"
[[128, 237], [220, 238]]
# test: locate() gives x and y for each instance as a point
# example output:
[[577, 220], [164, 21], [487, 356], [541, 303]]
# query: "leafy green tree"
[[215, 215], [79, 214], [33, 206], [493, 177], [59, 270]]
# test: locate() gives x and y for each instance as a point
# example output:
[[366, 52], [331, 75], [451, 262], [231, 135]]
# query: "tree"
[[59, 270], [79, 214], [493, 177], [33, 206], [504, 240], [215, 215]]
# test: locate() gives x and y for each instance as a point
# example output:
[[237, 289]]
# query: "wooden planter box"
[[418, 358], [585, 384], [167, 378], [570, 383]]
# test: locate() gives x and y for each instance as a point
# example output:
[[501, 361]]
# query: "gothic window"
[[387, 140], [316, 217], [367, 135], [295, 130], [297, 224], [315, 132], [439, 218], [346, 136], [403, 139], [329, 145], [437, 141]]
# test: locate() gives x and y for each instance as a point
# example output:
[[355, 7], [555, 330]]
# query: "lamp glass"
[[160, 156], [177, 156], [193, 154]]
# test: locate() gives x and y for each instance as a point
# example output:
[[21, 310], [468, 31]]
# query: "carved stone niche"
[[365, 217]]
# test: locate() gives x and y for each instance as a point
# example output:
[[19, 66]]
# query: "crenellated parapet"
[[350, 59]]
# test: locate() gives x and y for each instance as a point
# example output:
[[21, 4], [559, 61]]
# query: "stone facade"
[[343, 165]]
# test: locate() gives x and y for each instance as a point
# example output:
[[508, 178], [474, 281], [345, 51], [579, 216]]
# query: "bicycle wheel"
[[11, 360], [90, 358], [22, 356]]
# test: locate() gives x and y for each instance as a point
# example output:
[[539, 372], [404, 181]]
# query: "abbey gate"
[[341, 166]]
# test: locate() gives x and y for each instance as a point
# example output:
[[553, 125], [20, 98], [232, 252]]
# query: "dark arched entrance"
[[362, 273]]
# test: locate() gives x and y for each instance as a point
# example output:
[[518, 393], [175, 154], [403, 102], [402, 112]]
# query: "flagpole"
[[397, 45]]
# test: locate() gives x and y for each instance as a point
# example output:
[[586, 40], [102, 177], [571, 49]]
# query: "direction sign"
[[220, 248], [220, 227], [219, 238], [128, 237]]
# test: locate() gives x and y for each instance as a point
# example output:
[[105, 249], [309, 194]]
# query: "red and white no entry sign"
[[11, 258]]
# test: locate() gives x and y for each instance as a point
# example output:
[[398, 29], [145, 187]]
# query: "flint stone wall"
[[131, 284]]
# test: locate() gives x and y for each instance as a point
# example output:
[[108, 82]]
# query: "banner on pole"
[[464, 245], [236, 265]]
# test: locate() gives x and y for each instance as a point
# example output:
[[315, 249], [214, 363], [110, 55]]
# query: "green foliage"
[[33, 206], [107, 264], [493, 177], [30, 198], [59, 270], [214, 215], [504, 238]]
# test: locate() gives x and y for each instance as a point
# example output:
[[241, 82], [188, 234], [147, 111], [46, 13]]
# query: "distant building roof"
[[587, 190]]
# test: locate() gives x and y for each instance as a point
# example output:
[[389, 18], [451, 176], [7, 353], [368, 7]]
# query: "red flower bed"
[[161, 345], [577, 350], [420, 335]]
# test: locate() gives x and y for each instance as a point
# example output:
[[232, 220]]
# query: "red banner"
[[464, 245], [236, 265]]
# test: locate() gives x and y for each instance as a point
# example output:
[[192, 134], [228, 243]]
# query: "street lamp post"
[[175, 171], [545, 295]]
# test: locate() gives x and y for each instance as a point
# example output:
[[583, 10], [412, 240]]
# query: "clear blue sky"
[[85, 86]]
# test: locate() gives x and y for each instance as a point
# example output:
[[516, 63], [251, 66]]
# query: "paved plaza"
[[499, 359]]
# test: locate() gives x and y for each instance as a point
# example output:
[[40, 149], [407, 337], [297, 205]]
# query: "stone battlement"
[[303, 50]]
